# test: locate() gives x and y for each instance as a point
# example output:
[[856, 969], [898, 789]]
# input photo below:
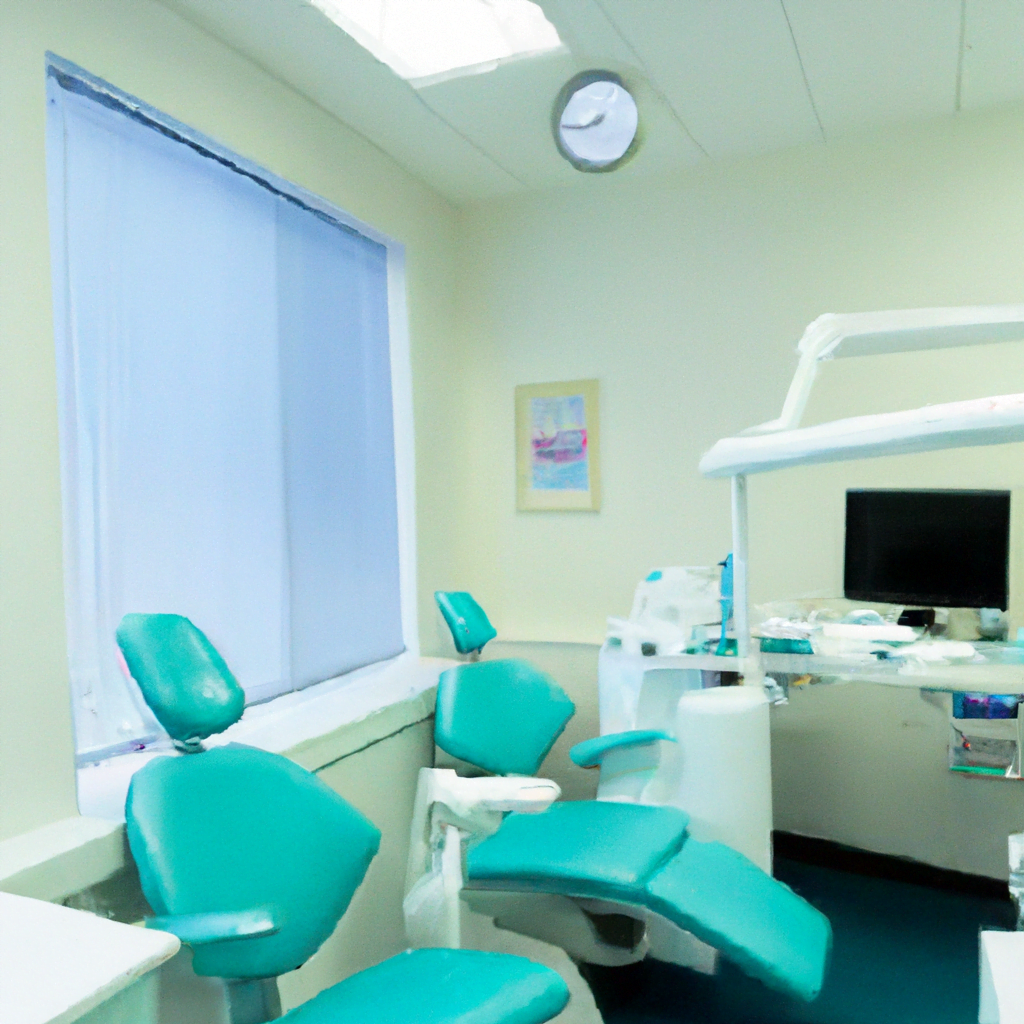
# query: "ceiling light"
[[427, 41]]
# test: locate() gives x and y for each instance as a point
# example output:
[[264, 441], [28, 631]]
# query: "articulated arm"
[[218, 926]]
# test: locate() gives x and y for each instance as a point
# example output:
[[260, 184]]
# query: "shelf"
[[992, 672], [999, 668]]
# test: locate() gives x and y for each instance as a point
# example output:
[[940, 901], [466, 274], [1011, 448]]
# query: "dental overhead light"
[[595, 122], [426, 41]]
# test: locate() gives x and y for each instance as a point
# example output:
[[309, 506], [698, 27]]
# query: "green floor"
[[904, 954]]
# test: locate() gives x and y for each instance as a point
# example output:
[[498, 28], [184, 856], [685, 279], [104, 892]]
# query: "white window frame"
[[75, 78]]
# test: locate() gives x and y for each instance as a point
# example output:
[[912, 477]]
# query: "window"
[[231, 368]]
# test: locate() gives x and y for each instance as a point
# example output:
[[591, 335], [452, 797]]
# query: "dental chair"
[[610, 881], [252, 860]]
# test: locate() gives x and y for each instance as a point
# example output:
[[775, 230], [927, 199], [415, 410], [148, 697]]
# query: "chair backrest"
[[470, 627], [182, 677], [236, 829], [502, 716], [233, 828]]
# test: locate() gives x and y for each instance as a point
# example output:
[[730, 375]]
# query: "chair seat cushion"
[[758, 923], [440, 986], [588, 848]]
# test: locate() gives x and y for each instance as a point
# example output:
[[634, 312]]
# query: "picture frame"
[[558, 447]]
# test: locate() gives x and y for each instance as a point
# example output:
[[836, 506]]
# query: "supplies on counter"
[[672, 611]]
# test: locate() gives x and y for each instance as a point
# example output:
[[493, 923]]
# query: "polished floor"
[[903, 954]]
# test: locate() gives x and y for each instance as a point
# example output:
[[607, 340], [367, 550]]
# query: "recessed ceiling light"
[[427, 41]]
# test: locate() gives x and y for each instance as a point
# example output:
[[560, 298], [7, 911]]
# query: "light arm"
[[899, 330]]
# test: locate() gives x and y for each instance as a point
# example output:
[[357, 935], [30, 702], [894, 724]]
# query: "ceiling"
[[712, 78]]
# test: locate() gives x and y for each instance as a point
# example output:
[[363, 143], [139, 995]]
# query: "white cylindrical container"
[[720, 771]]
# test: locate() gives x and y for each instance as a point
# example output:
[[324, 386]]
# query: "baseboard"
[[826, 853]]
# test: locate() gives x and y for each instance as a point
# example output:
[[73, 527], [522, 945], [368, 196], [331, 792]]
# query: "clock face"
[[596, 121]]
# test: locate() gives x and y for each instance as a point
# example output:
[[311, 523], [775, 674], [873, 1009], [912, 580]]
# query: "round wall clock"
[[595, 121]]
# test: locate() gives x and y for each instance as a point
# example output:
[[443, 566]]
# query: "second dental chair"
[[608, 881]]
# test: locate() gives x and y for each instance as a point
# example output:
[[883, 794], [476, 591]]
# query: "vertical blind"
[[226, 422]]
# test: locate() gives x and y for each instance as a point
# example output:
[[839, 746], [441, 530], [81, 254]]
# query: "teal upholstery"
[[235, 829], [590, 753], [758, 923], [470, 627], [440, 986], [182, 677], [640, 855], [502, 716], [590, 848]]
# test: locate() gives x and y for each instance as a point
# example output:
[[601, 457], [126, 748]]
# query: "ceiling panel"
[[507, 113], [711, 78], [993, 69], [870, 62], [728, 68], [298, 44]]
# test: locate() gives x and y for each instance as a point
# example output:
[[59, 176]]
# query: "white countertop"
[[56, 964]]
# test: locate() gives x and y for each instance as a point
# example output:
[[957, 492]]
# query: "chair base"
[[592, 931], [253, 1002]]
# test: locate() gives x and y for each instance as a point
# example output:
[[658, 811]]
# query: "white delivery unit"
[[783, 442]]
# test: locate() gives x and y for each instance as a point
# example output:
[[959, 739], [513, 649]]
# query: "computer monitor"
[[929, 548]]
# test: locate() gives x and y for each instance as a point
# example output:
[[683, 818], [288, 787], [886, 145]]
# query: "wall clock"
[[595, 121]]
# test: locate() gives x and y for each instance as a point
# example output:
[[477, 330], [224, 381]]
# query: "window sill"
[[314, 727]]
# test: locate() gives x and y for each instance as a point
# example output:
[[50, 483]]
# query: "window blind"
[[226, 422]]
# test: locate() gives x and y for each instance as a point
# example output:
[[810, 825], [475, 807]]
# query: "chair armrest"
[[492, 793], [590, 753], [449, 810], [218, 926]]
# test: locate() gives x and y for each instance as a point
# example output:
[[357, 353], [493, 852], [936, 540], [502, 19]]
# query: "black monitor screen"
[[945, 548]]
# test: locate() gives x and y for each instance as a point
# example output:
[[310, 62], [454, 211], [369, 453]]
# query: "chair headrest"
[[183, 679], [470, 627]]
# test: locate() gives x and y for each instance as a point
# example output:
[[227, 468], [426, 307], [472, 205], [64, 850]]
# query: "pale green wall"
[[685, 297], [141, 47], [381, 782]]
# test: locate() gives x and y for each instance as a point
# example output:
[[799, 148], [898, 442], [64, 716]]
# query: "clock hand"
[[590, 124]]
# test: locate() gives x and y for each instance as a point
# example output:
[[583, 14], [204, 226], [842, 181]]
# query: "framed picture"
[[557, 447]]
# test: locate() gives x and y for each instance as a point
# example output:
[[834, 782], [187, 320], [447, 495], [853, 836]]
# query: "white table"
[[1002, 978], [57, 965]]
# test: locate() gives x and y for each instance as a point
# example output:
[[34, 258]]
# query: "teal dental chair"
[[252, 860], [608, 880]]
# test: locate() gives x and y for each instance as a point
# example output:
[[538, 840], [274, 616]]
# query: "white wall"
[[685, 297]]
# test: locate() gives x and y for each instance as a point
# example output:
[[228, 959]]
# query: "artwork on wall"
[[557, 447]]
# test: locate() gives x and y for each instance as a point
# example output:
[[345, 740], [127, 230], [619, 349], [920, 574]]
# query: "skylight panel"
[[426, 41]]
